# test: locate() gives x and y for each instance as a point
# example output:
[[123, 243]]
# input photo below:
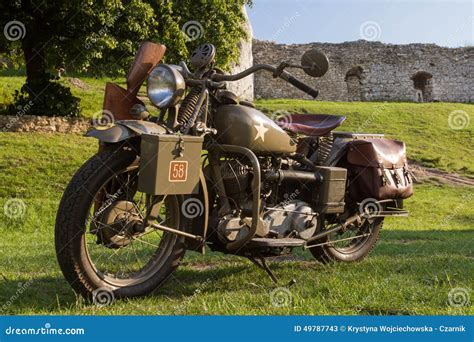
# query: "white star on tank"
[[261, 130]]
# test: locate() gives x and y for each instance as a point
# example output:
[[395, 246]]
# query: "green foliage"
[[220, 22], [97, 36], [101, 37], [44, 96]]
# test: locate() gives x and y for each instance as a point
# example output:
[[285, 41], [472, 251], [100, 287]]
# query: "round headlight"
[[165, 86]]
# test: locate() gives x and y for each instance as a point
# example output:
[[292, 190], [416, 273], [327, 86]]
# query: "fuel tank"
[[248, 127]]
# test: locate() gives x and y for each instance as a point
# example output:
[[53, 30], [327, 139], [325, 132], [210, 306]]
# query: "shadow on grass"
[[49, 293], [426, 242], [419, 256]]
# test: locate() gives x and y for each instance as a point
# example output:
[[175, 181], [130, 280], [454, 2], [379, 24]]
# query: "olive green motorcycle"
[[210, 171]]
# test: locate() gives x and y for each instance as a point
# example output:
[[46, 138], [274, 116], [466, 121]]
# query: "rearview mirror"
[[314, 63]]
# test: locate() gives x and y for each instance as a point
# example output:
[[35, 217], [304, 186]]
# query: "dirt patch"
[[430, 175], [76, 82]]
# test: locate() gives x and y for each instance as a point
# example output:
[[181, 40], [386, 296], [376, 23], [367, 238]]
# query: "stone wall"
[[373, 71], [32, 123], [244, 87]]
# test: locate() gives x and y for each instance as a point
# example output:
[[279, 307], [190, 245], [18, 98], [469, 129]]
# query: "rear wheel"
[[350, 245], [102, 244]]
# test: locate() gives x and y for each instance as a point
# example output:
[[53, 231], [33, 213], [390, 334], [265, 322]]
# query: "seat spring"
[[324, 148]]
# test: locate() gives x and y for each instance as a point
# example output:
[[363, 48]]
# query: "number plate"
[[178, 171]]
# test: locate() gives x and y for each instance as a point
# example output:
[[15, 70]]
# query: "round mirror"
[[315, 63]]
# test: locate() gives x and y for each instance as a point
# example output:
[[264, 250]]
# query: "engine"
[[290, 217], [236, 178]]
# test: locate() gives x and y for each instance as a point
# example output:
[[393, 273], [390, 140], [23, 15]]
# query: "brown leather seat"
[[312, 124]]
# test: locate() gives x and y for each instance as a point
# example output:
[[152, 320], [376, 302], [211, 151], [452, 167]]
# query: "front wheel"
[[102, 243]]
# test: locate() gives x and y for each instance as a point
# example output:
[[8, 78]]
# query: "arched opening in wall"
[[423, 84], [353, 80]]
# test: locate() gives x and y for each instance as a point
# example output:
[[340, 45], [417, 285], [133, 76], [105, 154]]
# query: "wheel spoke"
[[116, 250], [351, 238]]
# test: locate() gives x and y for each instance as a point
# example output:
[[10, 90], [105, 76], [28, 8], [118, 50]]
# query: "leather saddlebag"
[[378, 169]]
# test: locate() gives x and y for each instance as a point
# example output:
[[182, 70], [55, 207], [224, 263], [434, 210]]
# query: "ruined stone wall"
[[45, 124], [373, 71], [244, 87]]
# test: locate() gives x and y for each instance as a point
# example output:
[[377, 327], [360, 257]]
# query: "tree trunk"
[[35, 66]]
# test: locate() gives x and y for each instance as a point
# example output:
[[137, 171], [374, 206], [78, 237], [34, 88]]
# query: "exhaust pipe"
[[280, 176]]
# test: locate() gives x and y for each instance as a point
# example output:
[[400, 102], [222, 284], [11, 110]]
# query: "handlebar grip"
[[303, 87], [216, 85]]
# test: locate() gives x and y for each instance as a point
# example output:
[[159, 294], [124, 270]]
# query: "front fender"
[[125, 129]]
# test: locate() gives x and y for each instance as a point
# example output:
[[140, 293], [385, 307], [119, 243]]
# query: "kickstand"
[[263, 265]]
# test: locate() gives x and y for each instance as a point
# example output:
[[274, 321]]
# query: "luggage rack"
[[349, 135]]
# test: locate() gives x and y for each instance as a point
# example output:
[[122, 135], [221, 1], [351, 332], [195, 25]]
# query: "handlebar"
[[206, 82], [276, 73], [251, 70], [302, 86]]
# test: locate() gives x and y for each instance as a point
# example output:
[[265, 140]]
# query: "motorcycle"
[[213, 172]]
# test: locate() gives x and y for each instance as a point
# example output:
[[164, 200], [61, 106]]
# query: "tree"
[[100, 37], [184, 24]]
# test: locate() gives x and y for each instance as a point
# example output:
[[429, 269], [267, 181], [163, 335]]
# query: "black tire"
[[362, 247], [71, 229]]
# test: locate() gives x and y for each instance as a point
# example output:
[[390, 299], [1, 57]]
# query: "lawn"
[[418, 261]]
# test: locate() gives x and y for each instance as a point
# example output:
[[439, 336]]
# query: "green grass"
[[416, 263]]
